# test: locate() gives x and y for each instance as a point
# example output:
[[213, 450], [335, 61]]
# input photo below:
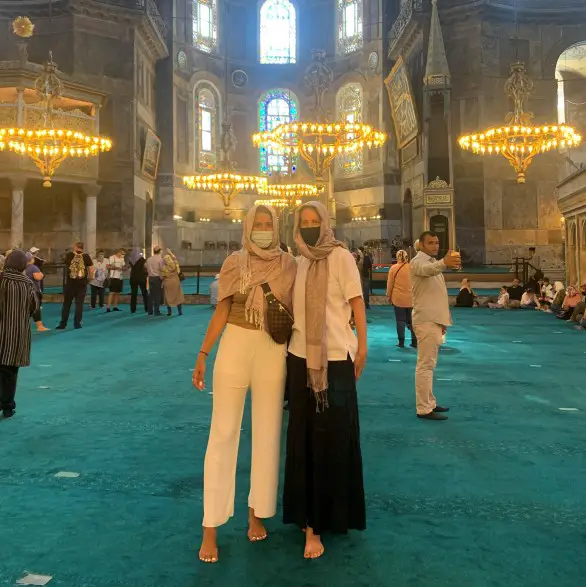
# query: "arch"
[[205, 25], [583, 235], [207, 119], [276, 107], [573, 235], [278, 32], [349, 107], [349, 24], [571, 38]]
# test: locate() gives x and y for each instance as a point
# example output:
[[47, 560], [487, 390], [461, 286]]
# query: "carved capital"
[[91, 189], [18, 182]]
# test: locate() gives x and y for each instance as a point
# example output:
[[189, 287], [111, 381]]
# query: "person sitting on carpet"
[[466, 298], [503, 300], [529, 300], [18, 303], [558, 299], [247, 357], [324, 489], [580, 308], [572, 299], [515, 291], [546, 293]]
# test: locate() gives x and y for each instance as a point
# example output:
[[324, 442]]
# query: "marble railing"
[[408, 8]]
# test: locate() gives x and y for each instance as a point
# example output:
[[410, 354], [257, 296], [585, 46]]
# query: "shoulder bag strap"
[[395, 280]]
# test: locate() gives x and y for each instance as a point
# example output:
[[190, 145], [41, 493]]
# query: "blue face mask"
[[262, 238]]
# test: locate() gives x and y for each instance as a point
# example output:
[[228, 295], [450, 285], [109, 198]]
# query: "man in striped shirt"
[[18, 302]]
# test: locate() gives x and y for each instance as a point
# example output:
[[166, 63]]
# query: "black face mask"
[[310, 235]]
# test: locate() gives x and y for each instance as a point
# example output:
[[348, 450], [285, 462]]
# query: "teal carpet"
[[494, 497]]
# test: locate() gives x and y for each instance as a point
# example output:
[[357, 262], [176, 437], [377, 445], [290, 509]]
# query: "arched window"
[[349, 19], [207, 125], [205, 25], [276, 107], [349, 108], [278, 32]]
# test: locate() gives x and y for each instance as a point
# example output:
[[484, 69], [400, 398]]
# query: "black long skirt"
[[324, 486]]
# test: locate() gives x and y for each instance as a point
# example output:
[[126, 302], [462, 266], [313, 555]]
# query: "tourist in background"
[[138, 279], [97, 284], [516, 291], [154, 266], [572, 299], [116, 266], [529, 300], [36, 277], [400, 297], [366, 275], [78, 270], [502, 301], [431, 318], [546, 293], [466, 297], [247, 358], [324, 490], [172, 276], [39, 262], [580, 309], [18, 302], [559, 296]]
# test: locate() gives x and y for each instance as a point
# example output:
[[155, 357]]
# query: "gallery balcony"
[[405, 27]]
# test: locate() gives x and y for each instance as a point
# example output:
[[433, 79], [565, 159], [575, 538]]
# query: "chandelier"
[[49, 145], [280, 203], [518, 140], [318, 141]]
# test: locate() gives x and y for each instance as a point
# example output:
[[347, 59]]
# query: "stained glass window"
[[278, 32], [349, 108], [276, 107], [207, 128], [205, 25], [349, 17]]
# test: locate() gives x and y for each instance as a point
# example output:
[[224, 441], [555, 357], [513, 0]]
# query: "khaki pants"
[[429, 338], [246, 358]]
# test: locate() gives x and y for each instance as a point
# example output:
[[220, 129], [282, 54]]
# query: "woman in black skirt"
[[324, 489]]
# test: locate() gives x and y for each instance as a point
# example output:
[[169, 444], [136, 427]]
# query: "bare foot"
[[313, 545], [208, 553], [256, 529]]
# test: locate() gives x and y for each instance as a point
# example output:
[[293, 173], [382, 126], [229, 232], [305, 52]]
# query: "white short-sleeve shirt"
[[118, 264], [344, 284]]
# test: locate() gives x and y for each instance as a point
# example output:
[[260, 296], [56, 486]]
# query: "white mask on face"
[[262, 238]]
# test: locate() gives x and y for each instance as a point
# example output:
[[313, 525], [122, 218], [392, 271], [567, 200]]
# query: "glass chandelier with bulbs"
[[518, 140], [319, 141], [49, 145]]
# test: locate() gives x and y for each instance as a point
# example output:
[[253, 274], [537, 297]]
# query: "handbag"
[[395, 281], [279, 319]]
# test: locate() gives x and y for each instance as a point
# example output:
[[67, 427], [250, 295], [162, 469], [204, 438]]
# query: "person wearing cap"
[[18, 302], [36, 277]]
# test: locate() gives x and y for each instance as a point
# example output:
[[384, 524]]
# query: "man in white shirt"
[[154, 266], [431, 317]]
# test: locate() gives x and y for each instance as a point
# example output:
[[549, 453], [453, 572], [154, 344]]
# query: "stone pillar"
[[91, 218], [17, 224]]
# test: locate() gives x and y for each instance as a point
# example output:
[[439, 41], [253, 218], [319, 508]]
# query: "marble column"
[[17, 223], [91, 218]]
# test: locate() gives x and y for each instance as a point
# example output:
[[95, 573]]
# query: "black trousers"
[[8, 377], [37, 317], [403, 317], [156, 291], [366, 291], [134, 295], [98, 293], [74, 290]]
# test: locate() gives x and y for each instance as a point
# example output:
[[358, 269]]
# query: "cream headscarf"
[[247, 269], [316, 292]]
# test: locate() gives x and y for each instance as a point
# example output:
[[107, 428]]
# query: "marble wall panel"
[[493, 204], [520, 205]]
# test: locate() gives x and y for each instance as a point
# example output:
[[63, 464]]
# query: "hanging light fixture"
[[225, 182], [518, 140], [49, 145], [319, 141]]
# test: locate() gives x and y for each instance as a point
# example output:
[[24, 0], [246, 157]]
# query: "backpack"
[[77, 267]]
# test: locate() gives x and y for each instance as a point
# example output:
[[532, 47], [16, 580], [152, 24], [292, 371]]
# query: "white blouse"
[[344, 284]]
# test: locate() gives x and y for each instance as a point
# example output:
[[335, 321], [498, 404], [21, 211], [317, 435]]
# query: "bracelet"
[[204, 353]]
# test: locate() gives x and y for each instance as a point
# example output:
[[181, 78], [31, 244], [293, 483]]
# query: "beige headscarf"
[[316, 292], [247, 269]]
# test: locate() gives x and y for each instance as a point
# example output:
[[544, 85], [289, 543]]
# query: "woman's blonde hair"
[[402, 256]]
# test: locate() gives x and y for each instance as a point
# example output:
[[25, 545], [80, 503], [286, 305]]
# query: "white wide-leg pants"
[[246, 358]]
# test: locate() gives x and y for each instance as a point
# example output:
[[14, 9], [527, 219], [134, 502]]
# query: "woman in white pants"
[[247, 357]]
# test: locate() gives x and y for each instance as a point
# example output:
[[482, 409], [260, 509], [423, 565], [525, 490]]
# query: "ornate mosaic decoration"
[[349, 17], [349, 108], [205, 25], [276, 107], [278, 32]]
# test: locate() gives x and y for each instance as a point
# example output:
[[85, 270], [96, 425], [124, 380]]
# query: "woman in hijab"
[[559, 296], [466, 298], [324, 489], [247, 357], [172, 289], [400, 295], [138, 279], [18, 303]]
